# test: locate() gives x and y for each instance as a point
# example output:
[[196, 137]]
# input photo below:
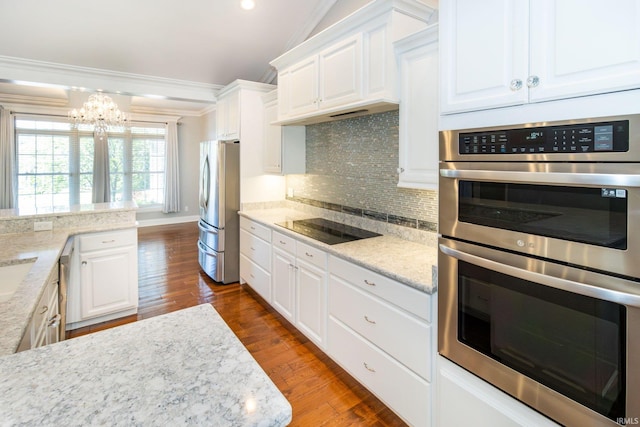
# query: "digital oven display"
[[581, 138]]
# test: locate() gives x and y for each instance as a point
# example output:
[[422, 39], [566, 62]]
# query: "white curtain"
[[7, 158], [171, 171], [101, 178]]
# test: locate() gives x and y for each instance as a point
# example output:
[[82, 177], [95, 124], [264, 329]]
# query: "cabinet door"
[[221, 118], [418, 142], [303, 87], [109, 281], [341, 73], [484, 54], [233, 116], [53, 316], [228, 116], [283, 284], [272, 139], [311, 305], [580, 48]]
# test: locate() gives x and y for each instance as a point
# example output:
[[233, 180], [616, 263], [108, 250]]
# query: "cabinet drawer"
[[283, 242], [107, 240], [254, 228], [311, 255], [402, 390], [406, 297], [401, 335], [256, 249], [256, 277]]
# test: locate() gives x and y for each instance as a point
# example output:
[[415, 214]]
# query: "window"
[[55, 163]]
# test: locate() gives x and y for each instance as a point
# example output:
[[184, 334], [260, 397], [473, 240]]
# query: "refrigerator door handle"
[[206, 184]]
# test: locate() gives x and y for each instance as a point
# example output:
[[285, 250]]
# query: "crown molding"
[[72, 77], [7, 98]]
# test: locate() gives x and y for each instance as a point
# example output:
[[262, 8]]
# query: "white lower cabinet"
[[103, 283], [380, 331], [299, 285], [255, 257], [463, 399], [44, 327]]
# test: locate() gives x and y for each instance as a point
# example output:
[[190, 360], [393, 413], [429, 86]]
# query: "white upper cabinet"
[[333, 77], [341, 73], [418, 133], [584, 47], [284, 146], [228, 116], [498, 53], [348, 69]]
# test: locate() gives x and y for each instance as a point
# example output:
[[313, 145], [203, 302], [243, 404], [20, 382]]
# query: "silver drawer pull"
[[252, 276], [367, 367], [55, 321], [44, 309], [369, 283], [283, 243], [308, 254], [252, 248], [253, 228], [109, 241], [370, 321]]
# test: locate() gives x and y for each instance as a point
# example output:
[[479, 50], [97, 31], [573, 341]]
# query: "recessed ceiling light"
[[247, 4]]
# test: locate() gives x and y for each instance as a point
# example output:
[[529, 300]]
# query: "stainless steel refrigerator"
[[218, 245]]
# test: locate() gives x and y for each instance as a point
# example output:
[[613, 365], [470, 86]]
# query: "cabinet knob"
[[533, 81], [400, 170], [516, 84]]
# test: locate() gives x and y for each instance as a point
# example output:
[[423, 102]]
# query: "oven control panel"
[[573, 138]]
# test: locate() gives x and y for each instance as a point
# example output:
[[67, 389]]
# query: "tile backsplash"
[[352, 167]]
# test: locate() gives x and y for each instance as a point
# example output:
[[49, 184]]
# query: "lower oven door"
[[563, 340]]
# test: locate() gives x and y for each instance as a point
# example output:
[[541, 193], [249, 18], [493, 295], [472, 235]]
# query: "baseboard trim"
[[167, 221]]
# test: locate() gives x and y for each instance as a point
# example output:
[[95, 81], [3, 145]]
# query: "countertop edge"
[[16, 313]]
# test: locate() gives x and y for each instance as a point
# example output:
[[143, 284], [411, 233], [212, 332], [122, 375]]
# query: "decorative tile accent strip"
[[377, 216], [352, 167]]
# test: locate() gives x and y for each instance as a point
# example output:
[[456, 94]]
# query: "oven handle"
[[599, 179], [624, 298]]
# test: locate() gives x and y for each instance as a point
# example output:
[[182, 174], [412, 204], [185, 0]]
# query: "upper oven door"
[[579, 213]]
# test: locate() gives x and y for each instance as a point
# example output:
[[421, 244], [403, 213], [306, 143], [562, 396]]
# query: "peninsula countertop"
[[16, 243], [410, 263], [182, 368]]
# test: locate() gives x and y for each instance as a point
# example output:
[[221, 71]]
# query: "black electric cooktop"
[[326, 231]]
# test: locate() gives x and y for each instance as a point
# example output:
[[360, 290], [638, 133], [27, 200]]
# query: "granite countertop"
[[45, 247], [410, 263], [181, 368]]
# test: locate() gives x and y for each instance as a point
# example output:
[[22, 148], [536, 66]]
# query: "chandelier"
[[99, 111]]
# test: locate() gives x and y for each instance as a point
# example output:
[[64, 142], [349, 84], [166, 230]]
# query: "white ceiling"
[[201, 43]]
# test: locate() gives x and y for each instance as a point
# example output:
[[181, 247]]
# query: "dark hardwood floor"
[[320, 392]]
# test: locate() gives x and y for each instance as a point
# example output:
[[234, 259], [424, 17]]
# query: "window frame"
[[75, 140]]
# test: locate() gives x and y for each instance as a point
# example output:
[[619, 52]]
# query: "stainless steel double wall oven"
[[539, 264]]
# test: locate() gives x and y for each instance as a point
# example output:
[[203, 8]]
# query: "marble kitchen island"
[[182, 368]]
